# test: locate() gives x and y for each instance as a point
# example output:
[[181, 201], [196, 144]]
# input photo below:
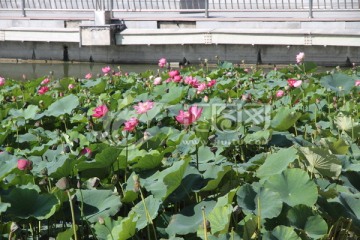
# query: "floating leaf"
[[320, 161], [189, 219], [27, 203], [316, 227], [281, 233], [338, 82], [285, 118], [67, 234], [62, 106], [214, 175], [146, 213], [277, 162], [261, 202], [162, 184], [98, 203], [294, 187], [125, 229]]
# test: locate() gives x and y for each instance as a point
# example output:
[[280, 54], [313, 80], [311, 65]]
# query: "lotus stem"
[[148, 217], [72, 214], [204, 223], [259, 214]]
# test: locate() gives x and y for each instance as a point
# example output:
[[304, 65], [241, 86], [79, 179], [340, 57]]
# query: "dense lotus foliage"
[[191, 153]]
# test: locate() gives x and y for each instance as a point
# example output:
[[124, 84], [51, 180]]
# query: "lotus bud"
[[136, 183], [63, 183], [206, 99], [101, 221]]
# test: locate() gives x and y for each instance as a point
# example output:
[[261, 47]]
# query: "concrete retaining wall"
[[325, 56]]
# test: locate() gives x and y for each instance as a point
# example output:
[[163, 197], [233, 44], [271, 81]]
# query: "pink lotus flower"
[[188, 117], [86, 151], [131, 124], [2, 81], [294, 82], [162, 62], [100, 111], [143, 107], [71, 86], [357, 83], [201, 88], [280, 93], [42, 90], [157, 81], [300, 57], [192, 81], [177, 78], [24, 164], [88, 76], [174, 73], [297, 83], [106, 69], [45, 81], [211, 83]]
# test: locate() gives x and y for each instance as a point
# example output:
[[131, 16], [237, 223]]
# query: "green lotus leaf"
[[125, 229], [321, 162], [144, 160], [103, 159], [98, 203], [308, 67], [7, 164], [294, 187], [58, 163], [298, 216], [277, 162], [261, 202], [284, 119], [337, 146], [351, 203], [219, 219], [146, 213], [62, 106], [103, 229], [248, 226], [192, 182], [338, 82], [4, 206], [28, 203], [175, 94], [258, 138], [98, 88], [162, 184], [281, 233], [27, 113], [190, 219], [67, 234], [316, 227], [214, 174]]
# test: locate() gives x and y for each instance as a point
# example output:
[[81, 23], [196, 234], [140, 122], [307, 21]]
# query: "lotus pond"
[[190, 153]]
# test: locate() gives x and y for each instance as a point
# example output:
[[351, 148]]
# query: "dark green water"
[[18, 71]]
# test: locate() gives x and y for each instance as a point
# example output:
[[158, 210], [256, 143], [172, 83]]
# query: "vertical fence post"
[[311, 9], [23, 13], [206, 8], [111, 7]]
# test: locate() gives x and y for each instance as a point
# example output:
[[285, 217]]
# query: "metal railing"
[[182, 5]]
